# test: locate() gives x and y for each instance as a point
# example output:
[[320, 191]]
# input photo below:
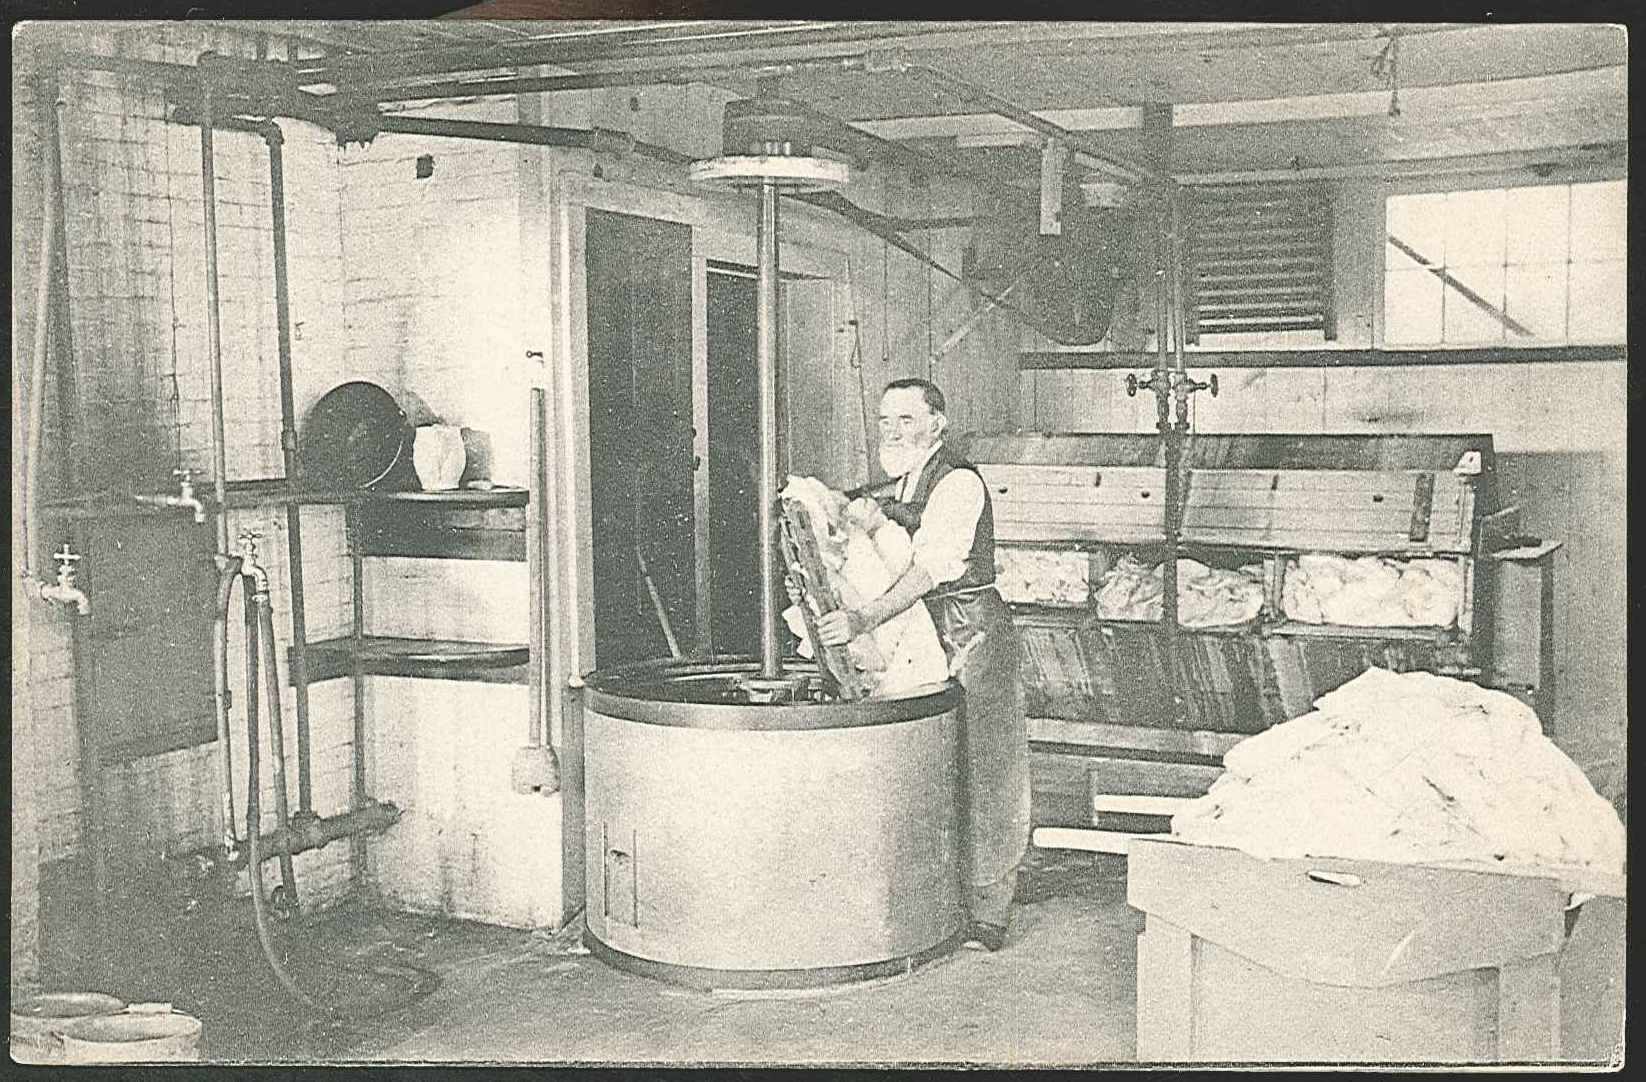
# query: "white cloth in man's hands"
[[901, 654]]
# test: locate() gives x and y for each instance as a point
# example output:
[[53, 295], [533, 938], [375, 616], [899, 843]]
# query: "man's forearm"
[[907, 590]]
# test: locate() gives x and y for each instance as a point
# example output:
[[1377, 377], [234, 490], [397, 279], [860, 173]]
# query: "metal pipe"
[[599, 140], [214, 318], [766, 315], [37, 371], [70, 377], [319, 832], [603, 80], [693, 38], [294, 471], [277, 735], [546, 527]]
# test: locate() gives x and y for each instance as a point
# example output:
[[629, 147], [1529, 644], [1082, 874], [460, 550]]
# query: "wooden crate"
[[1247, 960]]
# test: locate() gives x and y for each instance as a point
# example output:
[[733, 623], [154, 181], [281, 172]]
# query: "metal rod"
[[214, 317], [357, 683], [536, 572], [966, 90], [657, 605], [294, 471], [766, 315]]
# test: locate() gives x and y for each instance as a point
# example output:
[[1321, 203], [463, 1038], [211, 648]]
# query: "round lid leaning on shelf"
[[353, 437]]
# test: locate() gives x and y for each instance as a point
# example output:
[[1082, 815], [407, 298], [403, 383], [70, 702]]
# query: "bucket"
[[133, 1037], [38, 1022]]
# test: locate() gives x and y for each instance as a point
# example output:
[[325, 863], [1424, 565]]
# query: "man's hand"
[[865, 513], [839, 628], [793, 589]]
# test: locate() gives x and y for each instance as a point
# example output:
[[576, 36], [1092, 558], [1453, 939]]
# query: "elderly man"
[[943, 502]]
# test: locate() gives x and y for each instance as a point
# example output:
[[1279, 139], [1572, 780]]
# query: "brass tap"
[[249, 565], [64, 591], [184, 498]]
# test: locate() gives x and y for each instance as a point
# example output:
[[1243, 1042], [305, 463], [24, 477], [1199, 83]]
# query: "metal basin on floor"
[[739, 845]]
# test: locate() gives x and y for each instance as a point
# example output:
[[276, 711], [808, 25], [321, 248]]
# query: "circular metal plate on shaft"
[[789, 174]]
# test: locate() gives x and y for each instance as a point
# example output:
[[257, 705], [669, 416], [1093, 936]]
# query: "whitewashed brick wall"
[[136, 256]]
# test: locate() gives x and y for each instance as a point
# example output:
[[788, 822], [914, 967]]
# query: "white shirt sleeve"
[[948, 526]]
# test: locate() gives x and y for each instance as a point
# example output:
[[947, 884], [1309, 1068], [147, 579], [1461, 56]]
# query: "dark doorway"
[[734, 456], [640, 433]]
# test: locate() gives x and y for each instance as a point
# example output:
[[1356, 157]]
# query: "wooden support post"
[[1165, 993]]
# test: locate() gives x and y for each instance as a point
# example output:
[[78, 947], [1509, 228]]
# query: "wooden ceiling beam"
[[1418, 104]]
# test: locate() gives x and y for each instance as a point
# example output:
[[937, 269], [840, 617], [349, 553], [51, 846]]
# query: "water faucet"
[[64, 591], [184, 498], [248, 562]]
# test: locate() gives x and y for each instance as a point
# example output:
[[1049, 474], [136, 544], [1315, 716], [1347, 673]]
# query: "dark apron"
[[995, 737]]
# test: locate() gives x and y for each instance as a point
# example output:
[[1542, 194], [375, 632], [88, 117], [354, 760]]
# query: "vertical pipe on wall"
[[36, 390], [71, 377], [214, 319], [766, 315], [544, 524], [294, 474], [214, 335], [1157, 126]]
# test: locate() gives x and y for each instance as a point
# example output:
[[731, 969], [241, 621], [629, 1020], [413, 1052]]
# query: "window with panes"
[[1534, 265]]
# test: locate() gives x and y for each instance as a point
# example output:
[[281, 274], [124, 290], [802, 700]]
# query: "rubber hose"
[[254, 825], [277, 741], [260, 637], [220, 693]]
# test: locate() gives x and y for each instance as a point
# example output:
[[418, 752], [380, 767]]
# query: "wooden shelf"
[[435, 659], [420, 525]]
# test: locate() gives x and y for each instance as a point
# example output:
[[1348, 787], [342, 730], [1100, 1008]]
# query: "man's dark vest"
[[980, 560]]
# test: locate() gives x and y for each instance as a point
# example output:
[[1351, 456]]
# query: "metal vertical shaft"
[[1157, 122], [766, 369]]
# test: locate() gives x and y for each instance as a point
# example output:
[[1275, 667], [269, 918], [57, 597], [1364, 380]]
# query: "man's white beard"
[[899, 459]]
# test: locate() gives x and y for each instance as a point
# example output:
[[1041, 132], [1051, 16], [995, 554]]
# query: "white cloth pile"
[[1042, 576], [1406, 768], [904, 653], [1371, 591], [1206, 596]]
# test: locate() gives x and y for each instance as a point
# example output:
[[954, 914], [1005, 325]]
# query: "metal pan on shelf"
[[354, 437]]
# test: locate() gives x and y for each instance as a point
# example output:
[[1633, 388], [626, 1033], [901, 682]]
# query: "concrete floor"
[[1060, 993]]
